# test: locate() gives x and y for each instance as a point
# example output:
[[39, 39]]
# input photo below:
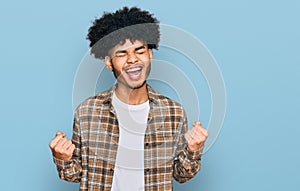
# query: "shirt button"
[[111, 171]]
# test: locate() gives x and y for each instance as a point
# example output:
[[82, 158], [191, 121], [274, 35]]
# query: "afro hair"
[[126, 23]]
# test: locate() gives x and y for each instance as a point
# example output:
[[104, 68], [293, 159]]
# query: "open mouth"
[[134, 73], [134, 69]]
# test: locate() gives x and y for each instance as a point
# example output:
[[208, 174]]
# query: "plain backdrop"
[[255, 43]]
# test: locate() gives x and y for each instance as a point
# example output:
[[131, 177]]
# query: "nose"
[[132, 58]]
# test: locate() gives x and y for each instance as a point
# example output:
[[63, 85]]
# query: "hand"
[[61, 147], [196, 137]]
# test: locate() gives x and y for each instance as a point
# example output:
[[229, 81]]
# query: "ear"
[[108, 63], [150, 54]]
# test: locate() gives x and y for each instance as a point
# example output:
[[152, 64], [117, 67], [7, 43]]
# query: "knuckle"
[[207, 132], [58, 150]]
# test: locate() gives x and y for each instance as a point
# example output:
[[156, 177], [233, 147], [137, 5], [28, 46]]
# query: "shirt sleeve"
[[71, 170], [187, 163]]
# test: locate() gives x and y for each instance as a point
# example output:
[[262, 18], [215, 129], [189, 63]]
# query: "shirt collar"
[[106, 97]]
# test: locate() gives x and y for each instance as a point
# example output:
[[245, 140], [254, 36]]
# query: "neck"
[[132, 96]]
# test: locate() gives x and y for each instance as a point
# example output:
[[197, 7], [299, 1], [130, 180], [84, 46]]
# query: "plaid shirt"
[[95, 135]]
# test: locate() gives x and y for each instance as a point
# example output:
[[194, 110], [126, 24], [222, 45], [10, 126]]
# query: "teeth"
[[134, 69]]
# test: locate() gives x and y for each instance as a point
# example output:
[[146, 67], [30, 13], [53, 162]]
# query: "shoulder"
[[97, 100], [163, 100]]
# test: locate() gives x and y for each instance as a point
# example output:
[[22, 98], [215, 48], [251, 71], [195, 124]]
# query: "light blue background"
[[256, 44]]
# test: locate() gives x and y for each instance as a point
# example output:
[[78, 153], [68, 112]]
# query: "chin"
[[137, 86]]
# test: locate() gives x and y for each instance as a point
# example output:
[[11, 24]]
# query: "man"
[[129, 137]]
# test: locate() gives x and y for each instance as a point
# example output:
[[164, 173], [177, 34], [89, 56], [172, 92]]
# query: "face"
[[131, 63]]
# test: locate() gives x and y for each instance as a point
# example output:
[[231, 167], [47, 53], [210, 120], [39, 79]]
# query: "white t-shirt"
[[129, 168]]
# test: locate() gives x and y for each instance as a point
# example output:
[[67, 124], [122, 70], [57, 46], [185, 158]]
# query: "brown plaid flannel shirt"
[[95, 136]]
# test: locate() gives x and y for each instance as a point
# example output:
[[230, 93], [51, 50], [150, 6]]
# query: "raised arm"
[[191, 142], [66, 154]]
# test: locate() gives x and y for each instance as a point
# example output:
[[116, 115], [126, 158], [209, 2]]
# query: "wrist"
[[193, 148], [192, 154]]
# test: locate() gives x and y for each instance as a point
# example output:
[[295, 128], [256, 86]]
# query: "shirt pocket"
[[103, 146], [161, 147]]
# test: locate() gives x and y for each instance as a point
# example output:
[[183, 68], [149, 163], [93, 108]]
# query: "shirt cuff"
[[192, 155], [62, 164]]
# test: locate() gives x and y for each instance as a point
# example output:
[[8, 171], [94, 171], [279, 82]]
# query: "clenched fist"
[[61, 147], [196, 137]]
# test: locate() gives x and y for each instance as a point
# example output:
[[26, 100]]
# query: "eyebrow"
[[136, 49], [140, 47]]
